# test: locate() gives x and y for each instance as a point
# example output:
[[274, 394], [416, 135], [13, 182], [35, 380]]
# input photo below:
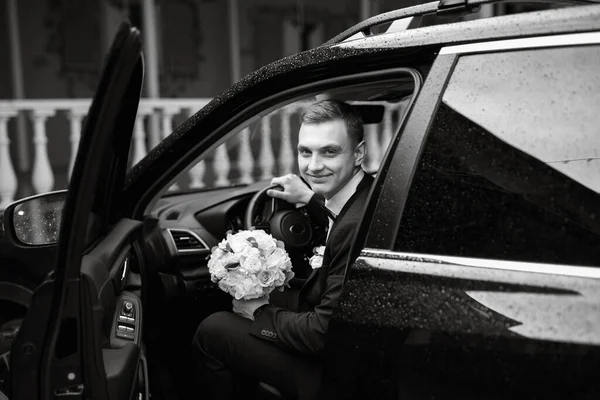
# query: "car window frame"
[[389, 207], [251, 112], [385, 206]]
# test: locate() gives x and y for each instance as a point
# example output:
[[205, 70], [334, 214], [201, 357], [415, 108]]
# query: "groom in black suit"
[[280, 342]]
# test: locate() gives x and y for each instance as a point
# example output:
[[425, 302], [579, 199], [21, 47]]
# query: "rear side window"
[[511, 166]]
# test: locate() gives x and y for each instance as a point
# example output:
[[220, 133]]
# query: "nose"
[[315, 163]]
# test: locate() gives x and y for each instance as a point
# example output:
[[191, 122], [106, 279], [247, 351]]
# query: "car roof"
[[575, 19]]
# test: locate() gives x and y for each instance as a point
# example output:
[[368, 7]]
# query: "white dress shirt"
[[339, 200]]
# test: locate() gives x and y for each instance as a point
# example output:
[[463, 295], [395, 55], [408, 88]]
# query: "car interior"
[[159, 278], [182, 228]]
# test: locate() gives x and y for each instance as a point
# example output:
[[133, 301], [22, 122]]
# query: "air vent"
[[187, 241]]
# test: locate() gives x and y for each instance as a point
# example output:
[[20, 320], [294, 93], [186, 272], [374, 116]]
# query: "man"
[[278, 345]]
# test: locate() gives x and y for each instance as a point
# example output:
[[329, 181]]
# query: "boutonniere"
[[316, 261]]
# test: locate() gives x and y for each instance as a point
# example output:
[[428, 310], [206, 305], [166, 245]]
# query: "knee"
[[210, 331]]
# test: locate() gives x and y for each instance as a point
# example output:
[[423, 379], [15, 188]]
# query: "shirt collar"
[[339, 200]]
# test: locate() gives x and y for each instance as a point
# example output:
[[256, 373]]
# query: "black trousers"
[[232, 362]]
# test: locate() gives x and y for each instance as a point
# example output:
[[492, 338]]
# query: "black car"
[[474, 273]]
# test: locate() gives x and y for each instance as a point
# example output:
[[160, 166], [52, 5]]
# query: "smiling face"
[[327, 156]]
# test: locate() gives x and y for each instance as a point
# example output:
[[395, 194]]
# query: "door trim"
[[521, 266]]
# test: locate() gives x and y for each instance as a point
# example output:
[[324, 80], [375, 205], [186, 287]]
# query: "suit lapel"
[[364, 184]]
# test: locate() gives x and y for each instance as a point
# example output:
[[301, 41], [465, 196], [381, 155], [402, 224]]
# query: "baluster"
[[286, 156], [75, 119], [139, 140], [197, 171], [167, 121], [267, 160], [388, 130], [167, 127], [221, 165], [245, 159], [42, 177], [373, 149], [8, 178], [197, 175]]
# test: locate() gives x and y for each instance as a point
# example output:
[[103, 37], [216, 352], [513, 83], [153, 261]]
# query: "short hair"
[[329, 110]]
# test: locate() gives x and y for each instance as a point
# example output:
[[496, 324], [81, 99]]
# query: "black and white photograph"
[[299, 199]]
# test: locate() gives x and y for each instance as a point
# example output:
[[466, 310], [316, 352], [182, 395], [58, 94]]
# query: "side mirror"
[[35, 221]]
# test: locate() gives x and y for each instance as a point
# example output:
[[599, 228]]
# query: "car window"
[[267, 147], [511, 165]]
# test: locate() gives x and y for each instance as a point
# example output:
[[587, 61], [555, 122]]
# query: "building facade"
[[194, 49]]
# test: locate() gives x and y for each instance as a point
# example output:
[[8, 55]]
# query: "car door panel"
[[451, 328], [121, 366], [65, 336], [522, 322], [105, 270]]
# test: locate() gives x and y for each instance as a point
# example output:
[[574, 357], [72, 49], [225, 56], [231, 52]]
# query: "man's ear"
[[360, 152]]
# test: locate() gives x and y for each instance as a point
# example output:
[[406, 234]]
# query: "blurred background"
[[52, 57]]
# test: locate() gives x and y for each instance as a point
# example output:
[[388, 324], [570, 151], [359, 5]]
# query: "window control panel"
[[126, 321]]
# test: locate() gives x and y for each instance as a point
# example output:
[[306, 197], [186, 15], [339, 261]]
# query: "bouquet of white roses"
[[250, 264]]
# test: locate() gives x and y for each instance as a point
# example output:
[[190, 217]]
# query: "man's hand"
[[246, 308], [295, 191]]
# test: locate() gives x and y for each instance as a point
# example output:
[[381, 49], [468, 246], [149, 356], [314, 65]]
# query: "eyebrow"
[[326, 147]]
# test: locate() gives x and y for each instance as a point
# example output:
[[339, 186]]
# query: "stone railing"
[[48, 132]]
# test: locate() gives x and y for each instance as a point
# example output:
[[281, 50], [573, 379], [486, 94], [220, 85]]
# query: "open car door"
[[82, 335]]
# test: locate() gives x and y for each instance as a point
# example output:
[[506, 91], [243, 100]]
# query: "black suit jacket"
[[304, 331]]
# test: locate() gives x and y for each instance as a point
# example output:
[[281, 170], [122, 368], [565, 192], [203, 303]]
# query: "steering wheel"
[[281, 219]]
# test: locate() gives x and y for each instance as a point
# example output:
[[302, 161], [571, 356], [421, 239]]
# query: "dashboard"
[[185, 226]]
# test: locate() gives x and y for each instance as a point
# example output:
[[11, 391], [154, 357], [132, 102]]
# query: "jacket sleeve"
[[305, 332]]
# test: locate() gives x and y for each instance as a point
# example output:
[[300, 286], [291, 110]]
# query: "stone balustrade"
[[259, 152]]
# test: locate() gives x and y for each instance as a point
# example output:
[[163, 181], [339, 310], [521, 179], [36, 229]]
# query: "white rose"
[[319, 250], [217, 271], [287, 265], [266, 242], [251, 264], [222, 244], [237, 243], [277, 258], [280, 278], [252, 288], [236, 280], [266, 278], [250, 252], [230, 258], [216, 267], [216, 253], [316, 261]]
